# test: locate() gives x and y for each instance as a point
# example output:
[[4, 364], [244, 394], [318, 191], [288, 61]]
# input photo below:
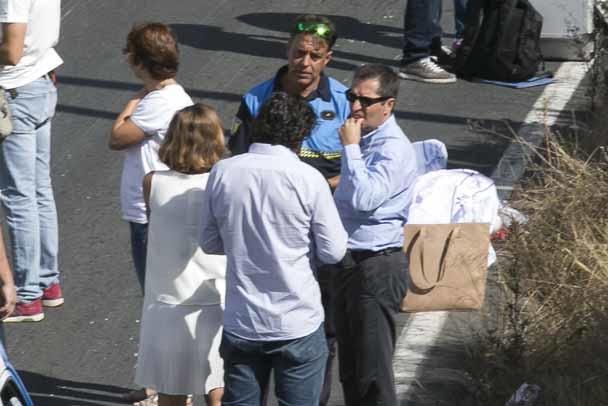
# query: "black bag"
[[501, 41]]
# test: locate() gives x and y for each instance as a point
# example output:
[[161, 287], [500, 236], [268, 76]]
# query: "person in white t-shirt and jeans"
[[30, 30], [153, 56], [139, 129]]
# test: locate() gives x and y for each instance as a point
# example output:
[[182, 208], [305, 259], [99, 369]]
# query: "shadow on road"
[[114, 84], [347, 27], [132, 86], [49, 391], [83, 111], [259, 45], [483, 151]]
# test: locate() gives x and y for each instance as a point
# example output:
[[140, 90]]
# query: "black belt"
[[12, 92], [362, 255]]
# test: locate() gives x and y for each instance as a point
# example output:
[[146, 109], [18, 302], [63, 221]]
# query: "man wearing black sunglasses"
[[365, 102], [373, 197], [309, 50]]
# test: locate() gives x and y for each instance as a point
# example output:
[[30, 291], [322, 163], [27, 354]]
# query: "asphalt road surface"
[[84, 353]]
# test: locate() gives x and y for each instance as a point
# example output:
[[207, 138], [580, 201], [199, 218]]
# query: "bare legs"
[[214, 398]]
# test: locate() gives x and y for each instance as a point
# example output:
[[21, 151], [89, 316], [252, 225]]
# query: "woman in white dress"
[[184, 287]]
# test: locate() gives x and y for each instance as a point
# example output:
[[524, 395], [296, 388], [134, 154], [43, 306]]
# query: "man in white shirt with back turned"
[[30, 30]]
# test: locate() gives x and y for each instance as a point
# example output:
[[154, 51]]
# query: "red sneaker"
[[31, 311], [52, 296]]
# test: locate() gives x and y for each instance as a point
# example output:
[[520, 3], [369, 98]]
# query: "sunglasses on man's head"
[[319, 29], [364, 101]]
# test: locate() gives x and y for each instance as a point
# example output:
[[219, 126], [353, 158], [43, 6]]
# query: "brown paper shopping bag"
[[448, 265]]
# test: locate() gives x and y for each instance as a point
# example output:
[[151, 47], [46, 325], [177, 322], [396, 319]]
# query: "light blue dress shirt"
[[374, 192], [273, 217]]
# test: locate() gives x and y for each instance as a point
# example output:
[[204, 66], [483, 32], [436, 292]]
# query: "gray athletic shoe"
[[426, 70]]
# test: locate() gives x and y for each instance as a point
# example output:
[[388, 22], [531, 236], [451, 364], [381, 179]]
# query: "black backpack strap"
[[464, 66]]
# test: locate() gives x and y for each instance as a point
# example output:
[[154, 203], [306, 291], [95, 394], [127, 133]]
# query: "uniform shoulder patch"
[[328, 115]]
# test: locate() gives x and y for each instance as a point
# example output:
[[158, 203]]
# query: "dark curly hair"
[[154, 46], [283, 120]]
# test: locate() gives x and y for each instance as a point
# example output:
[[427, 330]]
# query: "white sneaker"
[[426, 70]]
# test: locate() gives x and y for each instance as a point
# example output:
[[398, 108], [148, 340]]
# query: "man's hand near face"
[[350, 133]]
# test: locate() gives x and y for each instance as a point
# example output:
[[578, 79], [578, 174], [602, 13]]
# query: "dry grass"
[[549, 321]]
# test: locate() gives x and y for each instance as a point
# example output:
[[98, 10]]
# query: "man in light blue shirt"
[[373, 196], [274, 218]]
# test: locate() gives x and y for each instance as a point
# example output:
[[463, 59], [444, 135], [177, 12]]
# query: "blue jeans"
[[422, 27], [460, 13], [26, 191], [298, 365], [139, 250]]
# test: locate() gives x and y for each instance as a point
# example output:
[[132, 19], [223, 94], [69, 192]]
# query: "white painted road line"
[[568, 92]]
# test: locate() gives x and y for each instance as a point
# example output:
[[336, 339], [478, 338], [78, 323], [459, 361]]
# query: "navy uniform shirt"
[[321, 148]]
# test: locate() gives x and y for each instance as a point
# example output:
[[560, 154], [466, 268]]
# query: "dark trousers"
[[139, 248], [326, 283], [369, 289], [298, 367], [422, 27]]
